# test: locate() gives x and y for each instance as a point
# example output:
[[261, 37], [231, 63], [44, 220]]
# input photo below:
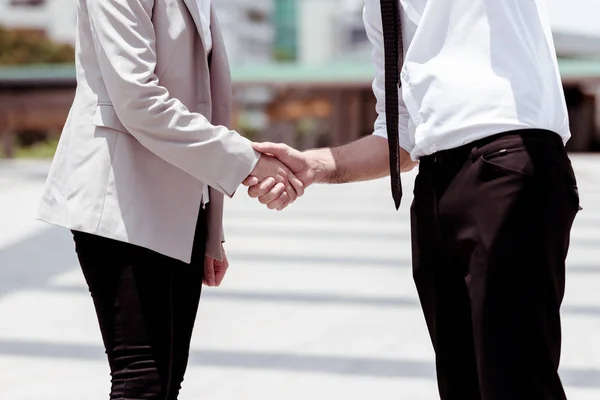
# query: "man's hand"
[[364, 159], [301, 164], [214, 270], [279, 187]]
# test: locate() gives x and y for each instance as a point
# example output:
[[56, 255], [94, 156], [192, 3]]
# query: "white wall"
[[246, 41], [22, 16], [316, 30], [56, 17], [576, 26], [63, 20], [575, 16]]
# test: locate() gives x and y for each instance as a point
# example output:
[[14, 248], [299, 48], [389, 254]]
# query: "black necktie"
[[394, 58]]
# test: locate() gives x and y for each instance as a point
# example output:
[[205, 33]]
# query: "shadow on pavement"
[[370, 367], [31, 263]]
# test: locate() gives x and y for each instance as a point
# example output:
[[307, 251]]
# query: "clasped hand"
[[280, 176]]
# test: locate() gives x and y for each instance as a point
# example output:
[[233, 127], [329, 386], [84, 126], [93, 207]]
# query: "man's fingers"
[[296, 184], [276, 149], [284, 204], [292, 159], [273, 194], [292, 195], [289, 189], [262, 188], [282, 201], [278, 178], [250, 181], [209, 272], [286, 177]]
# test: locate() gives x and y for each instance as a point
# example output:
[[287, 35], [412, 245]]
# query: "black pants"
[[491, 223], [146, 305]]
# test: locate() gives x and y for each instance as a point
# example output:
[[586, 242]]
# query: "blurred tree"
[[22, 46]]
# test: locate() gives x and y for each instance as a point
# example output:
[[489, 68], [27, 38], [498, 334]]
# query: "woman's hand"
[[214, 270]]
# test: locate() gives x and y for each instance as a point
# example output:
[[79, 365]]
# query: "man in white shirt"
[[482, 110]]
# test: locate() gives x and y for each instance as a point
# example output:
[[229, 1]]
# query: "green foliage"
[[19, 47], [284, 55], [40, 150]]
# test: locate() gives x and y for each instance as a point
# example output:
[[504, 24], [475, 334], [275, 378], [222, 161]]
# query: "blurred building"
[[55, 18], [248, 29], [309, 31], [248, 26], [301, 69], [329, 30], [575, 26]]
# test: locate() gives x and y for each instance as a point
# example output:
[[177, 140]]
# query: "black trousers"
[[146, 305], [491, 223]]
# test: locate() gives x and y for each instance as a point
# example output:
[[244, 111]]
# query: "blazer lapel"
[[220, 77], [192, 6]]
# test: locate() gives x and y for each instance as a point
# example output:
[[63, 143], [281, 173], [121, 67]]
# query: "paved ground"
[[319, 303]]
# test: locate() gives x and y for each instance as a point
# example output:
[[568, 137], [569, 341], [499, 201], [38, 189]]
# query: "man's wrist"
[[322, 164]]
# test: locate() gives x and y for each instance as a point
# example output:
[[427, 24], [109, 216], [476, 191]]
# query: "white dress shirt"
[[204, 8], [473, 68]]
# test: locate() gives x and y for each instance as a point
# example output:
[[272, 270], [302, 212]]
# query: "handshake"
[[283, 173]]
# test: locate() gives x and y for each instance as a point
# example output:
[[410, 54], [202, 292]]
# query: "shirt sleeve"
[[374, 28]]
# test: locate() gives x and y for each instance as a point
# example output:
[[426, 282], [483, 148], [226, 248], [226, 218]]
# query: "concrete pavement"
[[319, 302]]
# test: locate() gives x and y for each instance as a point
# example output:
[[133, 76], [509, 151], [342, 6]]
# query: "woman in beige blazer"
[[139, 176]]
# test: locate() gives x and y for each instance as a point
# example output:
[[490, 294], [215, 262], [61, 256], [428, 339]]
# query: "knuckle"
[[266, 183]]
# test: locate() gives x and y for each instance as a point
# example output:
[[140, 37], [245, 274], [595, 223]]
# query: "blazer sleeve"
[[124, 41]]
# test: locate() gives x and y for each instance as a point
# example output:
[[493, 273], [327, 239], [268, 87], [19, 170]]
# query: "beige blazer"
[[146, 129]]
